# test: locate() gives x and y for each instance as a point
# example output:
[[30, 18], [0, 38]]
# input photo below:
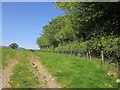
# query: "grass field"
[[69, 71], [7, 53], [76, 72]]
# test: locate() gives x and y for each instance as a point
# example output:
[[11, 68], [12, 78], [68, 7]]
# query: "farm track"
[[45, 79], [8, 71]]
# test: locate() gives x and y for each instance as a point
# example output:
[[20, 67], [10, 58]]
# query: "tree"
[[13, 45], [85, 28], [51, 36], [93, 21]]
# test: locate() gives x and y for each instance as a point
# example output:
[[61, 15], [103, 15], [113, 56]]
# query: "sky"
[[22, 22]]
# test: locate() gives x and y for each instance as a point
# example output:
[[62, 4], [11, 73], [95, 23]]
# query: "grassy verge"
[[76, 72]]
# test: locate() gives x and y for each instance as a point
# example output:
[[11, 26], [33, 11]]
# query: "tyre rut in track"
[[8, 71], [45, 79]]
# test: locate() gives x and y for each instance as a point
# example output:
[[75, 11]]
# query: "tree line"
[[89, 29]]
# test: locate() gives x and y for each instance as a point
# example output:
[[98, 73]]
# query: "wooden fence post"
[[102, 56], [90, 55], [87, 55]]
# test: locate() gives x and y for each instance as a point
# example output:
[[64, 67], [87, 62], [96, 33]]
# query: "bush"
[[14, 46]]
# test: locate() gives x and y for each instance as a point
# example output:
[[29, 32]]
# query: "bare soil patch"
[[7, 71], [44, 77]]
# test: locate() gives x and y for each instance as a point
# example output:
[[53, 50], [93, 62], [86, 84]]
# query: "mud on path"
[[45, 79], [7, 71]]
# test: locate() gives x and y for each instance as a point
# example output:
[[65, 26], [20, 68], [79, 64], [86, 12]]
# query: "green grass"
[[69, 71], [7, 53], [22, 76], [76, 72]]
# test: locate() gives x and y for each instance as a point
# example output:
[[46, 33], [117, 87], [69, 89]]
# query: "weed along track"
[[8, 70], [44, 77]]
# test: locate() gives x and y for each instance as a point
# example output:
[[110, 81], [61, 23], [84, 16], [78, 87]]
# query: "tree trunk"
[[87, 55], [102, 56]]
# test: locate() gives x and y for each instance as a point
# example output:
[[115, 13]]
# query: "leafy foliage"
[[84, 27], [14, 46]]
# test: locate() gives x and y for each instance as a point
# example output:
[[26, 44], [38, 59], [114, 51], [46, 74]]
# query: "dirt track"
[[7, 71], [44, 77]]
